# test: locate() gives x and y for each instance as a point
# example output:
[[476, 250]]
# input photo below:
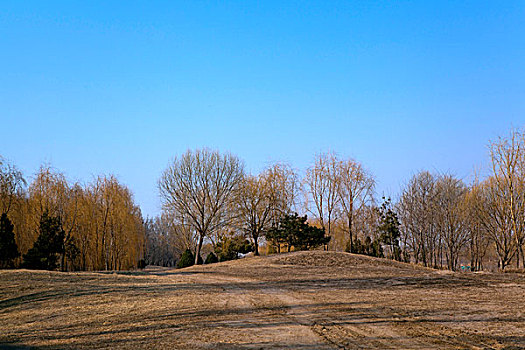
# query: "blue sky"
[[122, 87]]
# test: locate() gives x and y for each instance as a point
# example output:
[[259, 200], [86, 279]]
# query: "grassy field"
[[303, 300]]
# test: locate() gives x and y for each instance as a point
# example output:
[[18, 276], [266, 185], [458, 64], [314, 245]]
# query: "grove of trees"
[[443, 218], [214, 210], [438, 220], [57, 224]]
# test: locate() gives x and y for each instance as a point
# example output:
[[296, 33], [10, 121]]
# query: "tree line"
[[208, 196], [51, 223], [437, 221], [211, 203], [442, 216]]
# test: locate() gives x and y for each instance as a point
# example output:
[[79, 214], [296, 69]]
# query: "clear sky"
[[121, 87]]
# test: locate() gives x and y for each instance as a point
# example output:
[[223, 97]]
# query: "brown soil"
[[303, 300]]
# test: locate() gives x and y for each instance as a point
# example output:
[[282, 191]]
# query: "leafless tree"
[[255, 206], [284, 188], [496, 220], [166, 240], [355, 190], [11, 185], [508, 166], [474, 215], [199, 186], [322, 190], [265, 198], [416, 212], [450, 221]]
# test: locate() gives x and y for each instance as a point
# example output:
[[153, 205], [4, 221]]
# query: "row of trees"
[[442, 216], [209, 199], [102, 226], [207, 195], [437, 221]]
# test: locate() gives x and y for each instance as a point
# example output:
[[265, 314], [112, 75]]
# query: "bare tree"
[[416, 210], [355, 190], [116, 230], [450, 221], [496, 220], [265, 198], [322, 187], [51, 192], [508, 166], [11, 185], [474, 215], [284, 187], [166, 240], [255, 206], [198, 187]]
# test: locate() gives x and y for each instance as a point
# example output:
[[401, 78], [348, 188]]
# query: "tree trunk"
[[520, 248], [473, 261], [63, 262], [199, 246], [351, 235], [518, 258], [256, 243]]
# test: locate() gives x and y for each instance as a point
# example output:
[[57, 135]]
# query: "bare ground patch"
[[303, 300]]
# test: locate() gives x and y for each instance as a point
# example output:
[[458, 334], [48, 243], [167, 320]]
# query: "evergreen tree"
[[211, 258], [310, 237], [49, 244], [187, 259], [8, 247], [389, 228], [376, 249], [276, 237], [293, 230], [368, 247]]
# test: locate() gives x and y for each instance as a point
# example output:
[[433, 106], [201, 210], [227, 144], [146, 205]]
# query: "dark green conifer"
[[8, 247], [187, 259], [48, 246]]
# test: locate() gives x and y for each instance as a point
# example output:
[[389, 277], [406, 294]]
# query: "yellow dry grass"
[[307, 300]]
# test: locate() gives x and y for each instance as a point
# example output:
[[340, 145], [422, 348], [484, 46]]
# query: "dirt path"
[[303, 323], [273, 316], [315, 300]]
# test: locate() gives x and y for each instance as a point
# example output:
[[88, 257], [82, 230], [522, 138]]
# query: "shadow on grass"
[[15, 346], [125, 284], [168, 321]]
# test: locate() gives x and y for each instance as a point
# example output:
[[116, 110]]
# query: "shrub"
[[187, 259], [141, 264], [271, 248], [211, 258], [229, 248]]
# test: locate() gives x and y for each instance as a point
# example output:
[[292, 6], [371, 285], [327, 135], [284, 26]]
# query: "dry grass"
[[308, 300]]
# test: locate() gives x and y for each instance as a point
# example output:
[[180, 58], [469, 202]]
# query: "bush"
[[367, 247], [271, 248], [141, 264], [229, 248], [187, 259], [211, 258]]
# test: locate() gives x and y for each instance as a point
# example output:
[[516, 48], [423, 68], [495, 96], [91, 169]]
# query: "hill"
[[303, 300]]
